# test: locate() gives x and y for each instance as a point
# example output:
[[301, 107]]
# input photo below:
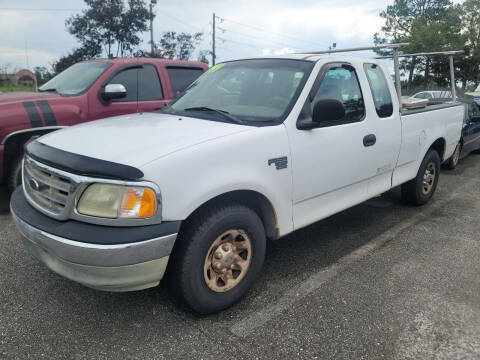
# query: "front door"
[[330, 162], [127, 77]]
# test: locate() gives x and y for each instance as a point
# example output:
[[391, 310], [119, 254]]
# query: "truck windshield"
[[76, 79], [248, 91]]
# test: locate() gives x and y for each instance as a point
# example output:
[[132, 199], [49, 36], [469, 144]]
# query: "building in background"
[[21, 78]]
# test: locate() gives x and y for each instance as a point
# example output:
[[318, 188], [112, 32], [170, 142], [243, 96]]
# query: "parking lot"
[[380, 280]]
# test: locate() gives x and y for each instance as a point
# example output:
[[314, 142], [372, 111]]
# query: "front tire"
[[420, 190], [217, 258]]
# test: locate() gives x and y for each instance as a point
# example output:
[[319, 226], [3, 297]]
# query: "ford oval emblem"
[[34, 184]]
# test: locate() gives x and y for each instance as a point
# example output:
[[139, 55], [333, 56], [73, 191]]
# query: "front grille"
[[46, 188]]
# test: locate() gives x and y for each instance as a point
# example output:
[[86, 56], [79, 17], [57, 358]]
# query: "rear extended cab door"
[[338, 165]]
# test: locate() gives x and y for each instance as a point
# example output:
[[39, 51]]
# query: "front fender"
[[193, 176]]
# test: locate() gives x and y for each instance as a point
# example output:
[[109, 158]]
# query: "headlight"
[[117, 201]]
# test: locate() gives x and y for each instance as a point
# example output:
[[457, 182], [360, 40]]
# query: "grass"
[[6, 89]]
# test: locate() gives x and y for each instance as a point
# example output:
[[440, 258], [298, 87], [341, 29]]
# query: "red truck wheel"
[[14, 174]]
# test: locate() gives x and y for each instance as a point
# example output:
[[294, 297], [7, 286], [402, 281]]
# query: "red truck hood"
[[15, 97], [26, 110]]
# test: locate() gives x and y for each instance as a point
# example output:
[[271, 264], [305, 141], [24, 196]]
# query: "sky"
[[33, 33]]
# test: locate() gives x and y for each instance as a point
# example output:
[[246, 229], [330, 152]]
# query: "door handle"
[[369, 140]]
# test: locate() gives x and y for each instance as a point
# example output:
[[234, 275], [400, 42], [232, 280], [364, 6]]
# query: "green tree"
[[42, 74], [428, 25], [471, 25], [180, 46], [87, 51], [107, 24]]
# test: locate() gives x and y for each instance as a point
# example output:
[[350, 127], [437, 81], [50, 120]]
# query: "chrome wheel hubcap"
[[429, 178], [227, 260]]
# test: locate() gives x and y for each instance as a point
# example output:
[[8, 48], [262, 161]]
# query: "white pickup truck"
[[253, 150]]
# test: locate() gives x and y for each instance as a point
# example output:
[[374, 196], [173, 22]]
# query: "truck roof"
[[166, 62]]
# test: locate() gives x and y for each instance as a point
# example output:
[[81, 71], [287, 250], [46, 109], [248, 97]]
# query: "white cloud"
[[272, 26], [18, 58], [283, 51]]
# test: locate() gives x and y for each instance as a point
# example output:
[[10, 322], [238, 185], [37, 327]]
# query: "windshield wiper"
[[48, 90], [224, 113]]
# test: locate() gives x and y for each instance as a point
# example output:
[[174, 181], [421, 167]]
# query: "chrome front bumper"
[[122, 267]]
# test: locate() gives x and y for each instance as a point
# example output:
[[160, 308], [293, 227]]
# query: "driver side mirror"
[[114, 91], [327, 111]]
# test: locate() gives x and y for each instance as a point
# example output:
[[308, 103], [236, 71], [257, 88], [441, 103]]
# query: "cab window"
[[473, 110], [182, 77], [380, 92], [341, 83], [149, 88], [142, 83], [127, 78]]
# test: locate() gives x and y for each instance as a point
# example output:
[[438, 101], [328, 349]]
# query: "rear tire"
[[454, 159], [420, 190], [217, 258], [14, 174]]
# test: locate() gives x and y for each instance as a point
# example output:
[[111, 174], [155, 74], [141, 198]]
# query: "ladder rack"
[[450, 55], [395, 56]]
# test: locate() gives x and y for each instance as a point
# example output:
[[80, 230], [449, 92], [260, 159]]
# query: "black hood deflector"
[[80, 164]]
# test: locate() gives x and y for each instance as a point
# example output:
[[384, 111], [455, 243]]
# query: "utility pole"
[[26, 55], [152, 53], [213, 41]]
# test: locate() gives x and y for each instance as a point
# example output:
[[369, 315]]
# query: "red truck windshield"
[[76, 79]]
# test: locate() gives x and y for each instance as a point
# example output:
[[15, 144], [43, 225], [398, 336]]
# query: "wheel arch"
[[439, 146], [250, 198], [14, 142]]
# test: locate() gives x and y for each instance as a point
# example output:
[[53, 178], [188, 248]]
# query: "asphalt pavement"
[[382, 280]]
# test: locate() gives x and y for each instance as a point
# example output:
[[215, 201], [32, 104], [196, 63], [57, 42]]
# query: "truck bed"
[[420, 128], [432, 107]]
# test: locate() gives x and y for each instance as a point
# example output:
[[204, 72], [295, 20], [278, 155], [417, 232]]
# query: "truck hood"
[[138, 139], [18, 97]]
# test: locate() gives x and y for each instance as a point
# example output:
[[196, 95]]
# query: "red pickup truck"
[[87, 91]]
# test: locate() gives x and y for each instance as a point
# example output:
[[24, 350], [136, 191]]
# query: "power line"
[[183, 22], [268, 41], [240, 43], [270, 32], [30, 9]]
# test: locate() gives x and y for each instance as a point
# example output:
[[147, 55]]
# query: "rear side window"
[[149, 88], [473, 110], [127, 78], [380, 92], [182, 77], [341, 83]]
